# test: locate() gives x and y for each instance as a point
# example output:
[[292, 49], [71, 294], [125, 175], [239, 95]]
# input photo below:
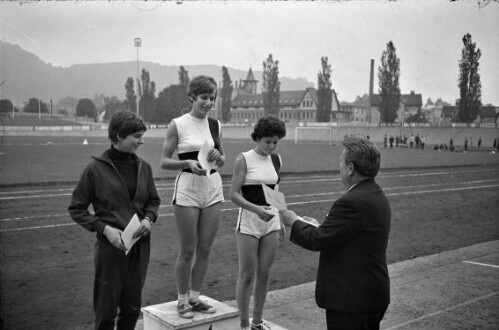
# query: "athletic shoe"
[[184, 310], [202, 307], [261, 326]]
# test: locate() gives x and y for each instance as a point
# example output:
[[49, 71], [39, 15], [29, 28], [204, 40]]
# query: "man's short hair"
[[364, 156], [124, 123]]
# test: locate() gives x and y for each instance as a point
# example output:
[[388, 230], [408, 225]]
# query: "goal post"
[[313, 134]]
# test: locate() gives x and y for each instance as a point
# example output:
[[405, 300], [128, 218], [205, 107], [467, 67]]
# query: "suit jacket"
[[352, 275]]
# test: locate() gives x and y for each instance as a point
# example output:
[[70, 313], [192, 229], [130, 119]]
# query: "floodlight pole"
[[138, 43]]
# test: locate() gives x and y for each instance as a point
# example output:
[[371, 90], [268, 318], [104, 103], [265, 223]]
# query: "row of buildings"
[[301, 106]]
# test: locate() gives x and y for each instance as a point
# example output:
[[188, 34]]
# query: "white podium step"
[[164, 317]]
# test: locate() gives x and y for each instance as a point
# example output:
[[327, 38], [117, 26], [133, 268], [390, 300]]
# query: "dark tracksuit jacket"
[[119, 278]]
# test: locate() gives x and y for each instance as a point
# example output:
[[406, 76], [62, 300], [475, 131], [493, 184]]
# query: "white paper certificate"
[[127, 235], [203, 157], [274, 198]]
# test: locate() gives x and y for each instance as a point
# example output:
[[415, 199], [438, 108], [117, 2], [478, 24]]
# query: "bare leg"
[[206, 232], [247, 247], [187, 219], [267, 251]]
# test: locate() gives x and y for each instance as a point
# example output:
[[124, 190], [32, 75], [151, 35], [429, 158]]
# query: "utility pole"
[[138, 43]]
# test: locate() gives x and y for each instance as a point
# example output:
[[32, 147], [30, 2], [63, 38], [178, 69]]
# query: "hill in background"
[[25, 76]]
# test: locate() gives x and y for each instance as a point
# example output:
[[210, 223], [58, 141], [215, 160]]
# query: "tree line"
[[172, 101]]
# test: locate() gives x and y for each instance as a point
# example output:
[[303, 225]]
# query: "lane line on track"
[[481, 264], [296, 203], [442, 311], [289, 180]]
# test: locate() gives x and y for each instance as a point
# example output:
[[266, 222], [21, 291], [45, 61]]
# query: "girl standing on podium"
[[258, 227], [198, 194]]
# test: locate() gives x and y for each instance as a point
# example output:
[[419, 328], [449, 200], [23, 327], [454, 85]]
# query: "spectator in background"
[[451, 144], [423, 141], [385, 141], [417, 140], [397, 141], [466, 144], [391, 141], [411, 141]]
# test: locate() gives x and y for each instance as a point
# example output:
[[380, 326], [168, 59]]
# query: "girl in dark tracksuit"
[[118, 184]]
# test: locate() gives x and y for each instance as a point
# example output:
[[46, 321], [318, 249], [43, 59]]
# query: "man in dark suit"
[[353, 284]]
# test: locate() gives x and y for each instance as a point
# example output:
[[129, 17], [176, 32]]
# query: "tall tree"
[[86, 108], [113, 104], [389, 90], [131, 98], [35, 105], [183, 80], [169, 104], [271, 86], [470, 87], [147, 96], [226, 95], [324, 92], [6, 106]]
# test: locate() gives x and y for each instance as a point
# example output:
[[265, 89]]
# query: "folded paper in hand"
[[127, 235], [274, 197], [203, 158]]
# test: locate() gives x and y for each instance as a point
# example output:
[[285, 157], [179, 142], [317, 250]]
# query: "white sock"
[[193, 296], [183, 298]]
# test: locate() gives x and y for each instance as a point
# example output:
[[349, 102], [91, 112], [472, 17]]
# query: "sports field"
[[440, 201]]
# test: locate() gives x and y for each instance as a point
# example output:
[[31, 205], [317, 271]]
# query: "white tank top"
[[259, 169], [192, 132]]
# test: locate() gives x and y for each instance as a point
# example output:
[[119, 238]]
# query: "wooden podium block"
[[164, 316]]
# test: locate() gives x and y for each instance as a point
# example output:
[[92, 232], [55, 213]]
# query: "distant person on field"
[[451, 144], [118, 184], [198, 195], [391, 141], [397, 141], [466, 144], [411, 141], [423, 142], [417, 140], [259, 226], [353, 284], [471, 143], [479, 143], [385, 141]]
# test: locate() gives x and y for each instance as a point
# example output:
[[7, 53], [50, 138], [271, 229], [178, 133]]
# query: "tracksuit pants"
[[118, 284]]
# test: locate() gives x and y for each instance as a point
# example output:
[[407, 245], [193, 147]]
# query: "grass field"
[[440, 201], [34, 160]]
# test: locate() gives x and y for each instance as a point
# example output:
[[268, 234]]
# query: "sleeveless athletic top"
[[192, 132], [259, 169]]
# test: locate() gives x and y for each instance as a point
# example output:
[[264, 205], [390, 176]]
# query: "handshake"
[[289, 217]]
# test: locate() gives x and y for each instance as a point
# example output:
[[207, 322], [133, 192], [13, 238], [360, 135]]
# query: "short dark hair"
[[268, 126], [124, 123], [201, 85], [364, 156]]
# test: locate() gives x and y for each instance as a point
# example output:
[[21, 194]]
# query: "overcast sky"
[[241, 34]]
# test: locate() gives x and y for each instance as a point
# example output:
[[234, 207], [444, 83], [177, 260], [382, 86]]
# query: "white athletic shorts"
[[250, 224], [193, 190]]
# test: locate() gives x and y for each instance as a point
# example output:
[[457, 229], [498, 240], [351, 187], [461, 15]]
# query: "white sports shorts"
[[250, 224], [193, 190]]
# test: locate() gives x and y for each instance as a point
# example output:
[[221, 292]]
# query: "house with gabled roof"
[[487, 114], [409, 105], [294, 106]]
